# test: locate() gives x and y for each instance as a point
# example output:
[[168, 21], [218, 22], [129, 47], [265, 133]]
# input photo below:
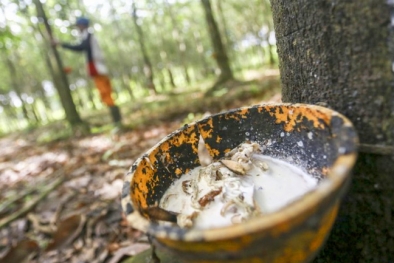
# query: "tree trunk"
[[180, 43], [121, 53], [337, 53], [268, 20], [339, 48], [171, 77], [147, 64], [16, 85], [89, 92], [45, 102], [11, 117], [226, 36], [61, 81], [33, 110], [220, 52], [163, 53], [201, 52]]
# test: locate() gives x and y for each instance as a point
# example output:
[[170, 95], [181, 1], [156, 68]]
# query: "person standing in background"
[[96, 67]]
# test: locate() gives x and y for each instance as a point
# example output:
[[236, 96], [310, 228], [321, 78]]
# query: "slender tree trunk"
[[148, 70], [50, 68], [79, 99], [45, 101], [270, 46], [200, 51], [15, 83], [171, 77], [61, 83], [163, 53], [90, 95], [181, 45], [11, 116], [218, 47], [340, 54], [33, 110], [268, 21], [223, 22], [16, 86], [125, 76], [162, 81]]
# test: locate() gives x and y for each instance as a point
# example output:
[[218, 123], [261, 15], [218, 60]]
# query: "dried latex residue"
[[242, 185]]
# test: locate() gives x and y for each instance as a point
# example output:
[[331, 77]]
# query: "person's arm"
[[84, 45]]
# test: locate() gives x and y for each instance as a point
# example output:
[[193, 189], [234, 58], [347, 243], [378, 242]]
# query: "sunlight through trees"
[[151, 47]]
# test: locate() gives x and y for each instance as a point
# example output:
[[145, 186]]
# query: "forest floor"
[[60, 195]]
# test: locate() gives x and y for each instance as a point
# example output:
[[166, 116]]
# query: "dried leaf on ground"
[[93, 167], [21, 252], [67, 230]]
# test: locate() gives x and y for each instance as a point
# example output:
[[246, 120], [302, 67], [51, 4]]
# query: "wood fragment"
[[17, 197], [186, 185], [203, 201], [234, 166], [158, 213], [30, 205], [35, 221], [21, 195]]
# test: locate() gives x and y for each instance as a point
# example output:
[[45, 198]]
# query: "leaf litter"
[[60, 202]]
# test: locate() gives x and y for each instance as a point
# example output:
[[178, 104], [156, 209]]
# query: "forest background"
[[151, 47]]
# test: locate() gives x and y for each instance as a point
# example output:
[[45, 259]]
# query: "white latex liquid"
[[265, 190]]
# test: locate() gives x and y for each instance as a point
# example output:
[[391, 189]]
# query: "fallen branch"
[[16, 197], [30, 205]]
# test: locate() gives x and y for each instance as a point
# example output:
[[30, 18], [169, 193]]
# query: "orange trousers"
[[103, 84]]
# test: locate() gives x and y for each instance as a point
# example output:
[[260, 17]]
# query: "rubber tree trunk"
[[337, 53], [15, 83], [217, 43], [179, 40], [148, 69], [268, 21], [121, 53], [200, 50], [61, 81], [227, 43]]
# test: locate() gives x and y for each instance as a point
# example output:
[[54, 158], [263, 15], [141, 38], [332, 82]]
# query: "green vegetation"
[[176, 40]]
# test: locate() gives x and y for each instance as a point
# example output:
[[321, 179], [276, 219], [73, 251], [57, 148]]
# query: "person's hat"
[[82, 21]]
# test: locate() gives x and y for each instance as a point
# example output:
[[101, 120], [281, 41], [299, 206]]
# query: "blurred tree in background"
[[151, 47]]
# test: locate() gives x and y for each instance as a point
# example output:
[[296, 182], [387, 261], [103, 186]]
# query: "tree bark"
[[171, 77], [226, 35], [337, 53], [220, 54], [61, 81]]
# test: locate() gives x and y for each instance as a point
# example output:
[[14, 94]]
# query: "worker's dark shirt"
[[94, 57]]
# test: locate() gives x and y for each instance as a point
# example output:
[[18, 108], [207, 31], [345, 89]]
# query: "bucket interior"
[[310, 137]]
